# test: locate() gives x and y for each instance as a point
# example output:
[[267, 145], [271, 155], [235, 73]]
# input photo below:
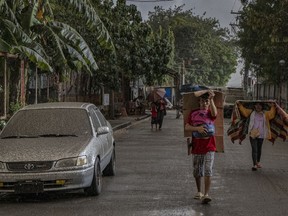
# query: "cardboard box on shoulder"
[[191, 102]]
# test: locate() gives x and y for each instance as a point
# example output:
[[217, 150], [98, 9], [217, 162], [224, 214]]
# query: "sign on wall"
[[106, 100]]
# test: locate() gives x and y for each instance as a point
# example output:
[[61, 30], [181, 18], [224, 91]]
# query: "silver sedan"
[[56, 146]]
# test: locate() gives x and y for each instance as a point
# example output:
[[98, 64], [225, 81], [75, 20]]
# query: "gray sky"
[[219, 9]]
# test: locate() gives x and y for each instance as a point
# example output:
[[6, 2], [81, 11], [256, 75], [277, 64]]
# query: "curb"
[[129, 123], [143, 117], [121, 126]]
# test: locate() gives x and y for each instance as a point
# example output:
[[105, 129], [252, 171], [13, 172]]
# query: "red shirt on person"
[[206, 144], [154, 111]]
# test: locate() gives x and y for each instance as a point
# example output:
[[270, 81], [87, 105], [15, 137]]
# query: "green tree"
[[140, 52], [162, 56], [31, 22], [207, 51], [29, 29], [263, 37]]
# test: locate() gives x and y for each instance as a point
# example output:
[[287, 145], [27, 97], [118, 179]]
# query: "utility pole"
[[234, 26], [183, 72], [281, 76]]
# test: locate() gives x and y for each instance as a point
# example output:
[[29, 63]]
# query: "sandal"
[[198, 196], [254, 168], [206, 199]]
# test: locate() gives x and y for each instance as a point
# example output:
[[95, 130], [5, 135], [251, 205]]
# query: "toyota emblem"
[[29, 166]]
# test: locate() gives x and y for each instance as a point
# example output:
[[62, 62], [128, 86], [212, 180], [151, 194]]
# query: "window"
[[101, 118], [95, 119]]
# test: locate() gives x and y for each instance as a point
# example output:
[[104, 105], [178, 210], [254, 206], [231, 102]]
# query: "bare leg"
[[207, 184], [198, 183]]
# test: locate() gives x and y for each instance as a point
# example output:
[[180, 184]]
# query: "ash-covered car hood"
[[42, 148]]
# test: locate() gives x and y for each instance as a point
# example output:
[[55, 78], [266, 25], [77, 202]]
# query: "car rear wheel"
[[110, 170], [96, 185]]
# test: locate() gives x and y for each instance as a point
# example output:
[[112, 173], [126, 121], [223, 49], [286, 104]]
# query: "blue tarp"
[[192, 88]]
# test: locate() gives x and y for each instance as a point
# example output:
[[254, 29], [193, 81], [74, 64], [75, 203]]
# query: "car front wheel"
[[96, 185], [110, 170]]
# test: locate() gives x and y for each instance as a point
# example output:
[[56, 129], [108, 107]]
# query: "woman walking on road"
[[258, 129]]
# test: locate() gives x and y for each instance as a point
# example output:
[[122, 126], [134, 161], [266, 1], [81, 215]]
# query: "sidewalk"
[[125, 121]]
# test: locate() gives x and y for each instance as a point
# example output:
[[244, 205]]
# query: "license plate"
[[29, 187]]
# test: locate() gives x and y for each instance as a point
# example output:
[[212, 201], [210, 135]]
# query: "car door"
[[102, 139], [108, 146]]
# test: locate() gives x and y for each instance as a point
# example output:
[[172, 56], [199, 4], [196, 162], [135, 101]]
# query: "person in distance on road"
[[154, 120], [161, 111]]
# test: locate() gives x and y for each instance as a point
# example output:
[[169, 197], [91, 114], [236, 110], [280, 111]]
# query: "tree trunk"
[[22, 83], [126, 94], [5, 88]]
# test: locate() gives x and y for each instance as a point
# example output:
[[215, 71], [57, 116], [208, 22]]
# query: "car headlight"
[[2, 166], [72, 162]]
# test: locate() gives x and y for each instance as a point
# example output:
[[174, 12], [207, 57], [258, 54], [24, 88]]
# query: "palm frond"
[[92, 20], [53, 46], [33, 56], [7, 13], [73, 38], [19, 37], [28, 19], [76, 59], [2, 2], [4, 46]]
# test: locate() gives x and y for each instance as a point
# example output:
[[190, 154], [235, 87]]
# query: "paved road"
[[154, 178], [236, 190]]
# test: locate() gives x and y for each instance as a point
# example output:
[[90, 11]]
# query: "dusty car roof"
[[58, 105]]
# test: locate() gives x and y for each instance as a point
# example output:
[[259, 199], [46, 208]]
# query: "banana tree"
[[14, 40], [46, 42]]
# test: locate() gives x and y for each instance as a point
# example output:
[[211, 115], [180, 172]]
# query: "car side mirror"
[[103, 130]]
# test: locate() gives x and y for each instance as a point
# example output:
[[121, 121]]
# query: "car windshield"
[[48, 123]]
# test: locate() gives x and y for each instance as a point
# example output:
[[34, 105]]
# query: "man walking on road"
[[201, 123]]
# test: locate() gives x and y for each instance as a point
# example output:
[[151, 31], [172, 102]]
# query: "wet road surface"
[[154, 178]]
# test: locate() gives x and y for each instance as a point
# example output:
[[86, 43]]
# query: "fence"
[[272, 92]]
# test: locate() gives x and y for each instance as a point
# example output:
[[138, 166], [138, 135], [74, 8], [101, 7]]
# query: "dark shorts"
[[153, 120]]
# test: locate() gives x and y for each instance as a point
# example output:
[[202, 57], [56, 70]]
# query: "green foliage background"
[[108, 44], [263, 38], [208, 51]]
